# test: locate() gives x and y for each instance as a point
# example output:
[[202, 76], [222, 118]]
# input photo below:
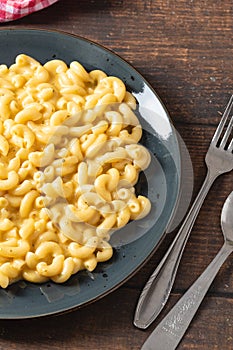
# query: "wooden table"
[[184, 49]]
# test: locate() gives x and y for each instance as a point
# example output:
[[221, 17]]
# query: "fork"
[[219, 160]]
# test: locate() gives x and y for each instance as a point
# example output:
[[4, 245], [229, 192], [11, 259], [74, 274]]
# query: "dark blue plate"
[[162, 180]]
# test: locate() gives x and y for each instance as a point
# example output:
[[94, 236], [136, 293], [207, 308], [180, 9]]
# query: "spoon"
[[168, 334]]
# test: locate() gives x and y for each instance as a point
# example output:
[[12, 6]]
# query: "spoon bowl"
[[227, 219]]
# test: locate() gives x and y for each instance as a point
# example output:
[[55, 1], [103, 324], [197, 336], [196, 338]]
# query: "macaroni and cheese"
[[69, 160]]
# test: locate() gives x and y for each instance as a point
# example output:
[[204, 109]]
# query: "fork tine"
[[227, 134], [230, 147], [222, 122]]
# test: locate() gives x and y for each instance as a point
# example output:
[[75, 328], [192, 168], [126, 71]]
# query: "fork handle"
[[157, 290], [169, 332]]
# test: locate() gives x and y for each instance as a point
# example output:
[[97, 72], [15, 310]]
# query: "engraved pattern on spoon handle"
[[157, 290], [168, 334]]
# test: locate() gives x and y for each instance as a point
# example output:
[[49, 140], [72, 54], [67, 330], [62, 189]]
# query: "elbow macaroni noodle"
[[69, 160]]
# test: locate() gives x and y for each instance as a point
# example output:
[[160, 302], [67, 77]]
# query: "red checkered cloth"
[[14, 9]]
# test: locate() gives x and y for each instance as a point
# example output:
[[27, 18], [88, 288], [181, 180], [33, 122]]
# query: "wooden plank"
[[107, 324]]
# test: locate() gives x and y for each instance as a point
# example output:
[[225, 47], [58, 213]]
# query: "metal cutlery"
[[168, 334], [219, 160]]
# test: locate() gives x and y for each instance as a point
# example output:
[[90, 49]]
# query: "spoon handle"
[[171, 329], [157, 289]]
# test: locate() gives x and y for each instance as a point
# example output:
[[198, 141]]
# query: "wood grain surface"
[[184, 48]]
